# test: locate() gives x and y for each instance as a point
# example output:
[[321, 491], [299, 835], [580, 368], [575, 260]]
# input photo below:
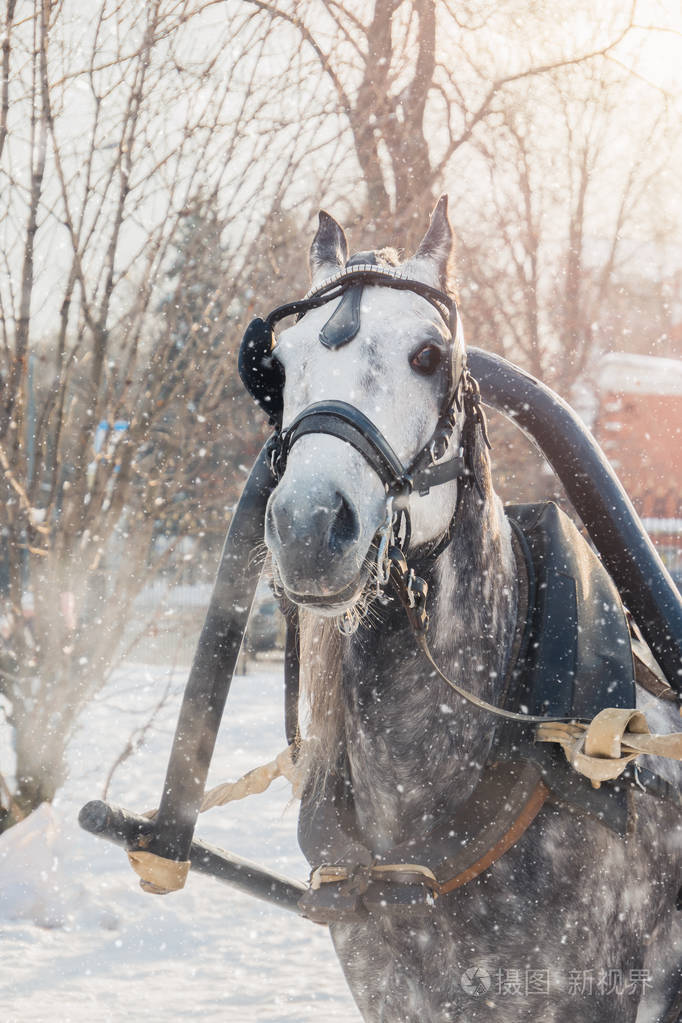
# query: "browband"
[[365, 273], [388, 277]]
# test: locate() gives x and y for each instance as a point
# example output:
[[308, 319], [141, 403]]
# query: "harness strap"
[[362, 877], [525, 600], [600, 749], [613, 739], [292, 684], [648, 672], [348, 423], [412, 592], [460, 846], [518, 828]]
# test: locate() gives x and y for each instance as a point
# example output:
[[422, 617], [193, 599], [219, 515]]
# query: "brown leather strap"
[[499, 811], [510, 838]]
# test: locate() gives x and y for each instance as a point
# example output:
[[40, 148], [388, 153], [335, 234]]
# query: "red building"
[[639, 426]]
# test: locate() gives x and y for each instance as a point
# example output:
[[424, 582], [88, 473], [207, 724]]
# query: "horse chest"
[[405, 756], [387, 796]]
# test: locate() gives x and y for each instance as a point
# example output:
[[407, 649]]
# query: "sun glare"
[[654, 48]]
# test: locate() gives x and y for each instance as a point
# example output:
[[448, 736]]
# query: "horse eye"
[[426, 360]]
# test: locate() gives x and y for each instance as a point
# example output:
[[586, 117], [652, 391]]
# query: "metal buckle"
[[416, 591], [348, 623], [275, 459]]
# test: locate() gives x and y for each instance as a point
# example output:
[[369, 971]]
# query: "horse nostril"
[[345, 526], [325, 527], [280, 521]]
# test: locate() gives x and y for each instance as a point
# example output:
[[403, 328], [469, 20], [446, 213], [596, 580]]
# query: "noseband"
[[348, 423]]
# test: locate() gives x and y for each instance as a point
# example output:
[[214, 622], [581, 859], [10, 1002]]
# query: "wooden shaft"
[[599, 499], [212, 670], [133, 831]]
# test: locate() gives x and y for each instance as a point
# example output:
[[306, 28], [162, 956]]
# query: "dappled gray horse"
[[576, 920]]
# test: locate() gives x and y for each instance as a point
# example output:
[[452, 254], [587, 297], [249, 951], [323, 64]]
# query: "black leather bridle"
[[263, 376], [348, 423]]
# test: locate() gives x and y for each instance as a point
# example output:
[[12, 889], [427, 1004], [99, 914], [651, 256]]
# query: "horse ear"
[[437, 245], [329, 250]]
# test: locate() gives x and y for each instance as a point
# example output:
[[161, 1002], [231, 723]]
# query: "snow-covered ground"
[[80, 940]]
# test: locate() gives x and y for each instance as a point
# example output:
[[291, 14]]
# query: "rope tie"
[[258, 780], [602, 749], [159, 875]]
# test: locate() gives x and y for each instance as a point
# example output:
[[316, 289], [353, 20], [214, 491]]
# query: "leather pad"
[[344, 322]]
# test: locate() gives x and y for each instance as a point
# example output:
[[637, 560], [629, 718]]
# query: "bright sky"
[[657, 54]]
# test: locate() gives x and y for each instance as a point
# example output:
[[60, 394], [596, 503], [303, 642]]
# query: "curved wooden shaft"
[[212, 670], [599, 499]]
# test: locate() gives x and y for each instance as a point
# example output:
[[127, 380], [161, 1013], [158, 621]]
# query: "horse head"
[[387, 354]]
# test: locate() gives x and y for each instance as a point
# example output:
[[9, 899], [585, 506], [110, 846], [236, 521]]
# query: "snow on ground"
[[80, 940]]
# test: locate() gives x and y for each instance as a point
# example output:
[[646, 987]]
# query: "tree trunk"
[[40, 761]]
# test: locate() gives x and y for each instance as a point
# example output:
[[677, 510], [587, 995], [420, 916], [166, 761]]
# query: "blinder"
[[261, 373]]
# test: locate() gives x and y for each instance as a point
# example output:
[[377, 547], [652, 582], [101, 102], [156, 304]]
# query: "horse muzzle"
[[319, 544]]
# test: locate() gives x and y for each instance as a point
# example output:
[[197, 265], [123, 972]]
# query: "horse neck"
[[413, 745]]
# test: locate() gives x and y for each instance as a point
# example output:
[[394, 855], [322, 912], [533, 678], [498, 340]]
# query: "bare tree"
[[412, 82], [123, 126], [565, 218], [114, 404]]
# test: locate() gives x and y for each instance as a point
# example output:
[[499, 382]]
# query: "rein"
[[412, 592]]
